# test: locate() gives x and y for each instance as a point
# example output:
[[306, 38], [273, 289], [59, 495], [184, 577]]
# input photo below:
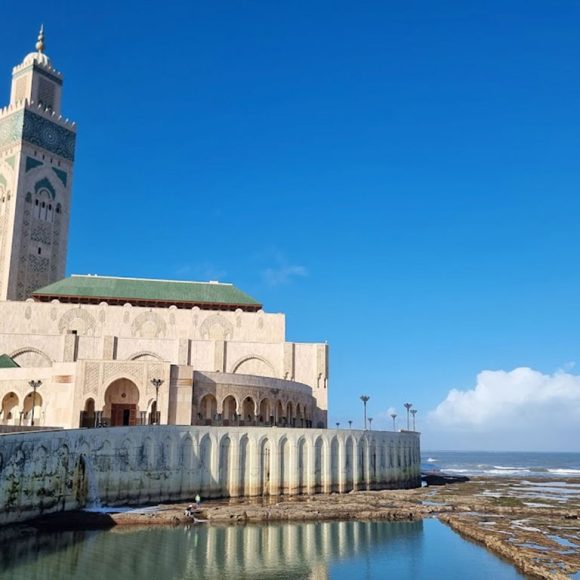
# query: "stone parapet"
[[46, 472]]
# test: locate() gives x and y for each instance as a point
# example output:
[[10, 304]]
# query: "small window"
[[36, 203], [39, 251]]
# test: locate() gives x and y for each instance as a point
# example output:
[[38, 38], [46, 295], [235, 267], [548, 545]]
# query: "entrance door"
[[123, 415]]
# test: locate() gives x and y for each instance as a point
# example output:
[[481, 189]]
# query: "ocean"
[[502, 463]]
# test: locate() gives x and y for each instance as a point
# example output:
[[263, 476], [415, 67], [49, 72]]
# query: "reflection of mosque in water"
[[293, 550]]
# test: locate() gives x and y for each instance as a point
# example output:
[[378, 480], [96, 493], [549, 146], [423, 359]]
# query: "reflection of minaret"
[[36, 160]]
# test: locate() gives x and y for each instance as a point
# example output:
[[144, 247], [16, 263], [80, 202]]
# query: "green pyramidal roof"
[[7, 363], [145, 292]]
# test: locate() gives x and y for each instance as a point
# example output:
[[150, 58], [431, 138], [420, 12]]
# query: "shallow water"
[[336, 550]]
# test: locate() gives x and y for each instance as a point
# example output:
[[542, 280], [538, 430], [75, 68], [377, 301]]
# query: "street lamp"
[[337, 424], [157, 383], [414, 412], [364, 399], [394, 417], [34, 385], [370, 423], [408, 407], [350, 424]]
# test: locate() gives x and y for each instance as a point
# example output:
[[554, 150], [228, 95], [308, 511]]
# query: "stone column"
[[233, 470], [310, 449], [355, 465], [275, 466], [341, 483]]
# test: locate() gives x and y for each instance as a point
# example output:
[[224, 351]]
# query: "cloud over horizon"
[[511, 409]]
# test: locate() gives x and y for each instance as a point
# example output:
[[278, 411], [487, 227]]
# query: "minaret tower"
[[37, 149]]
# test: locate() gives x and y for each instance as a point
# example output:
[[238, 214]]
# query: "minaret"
[[37, 149]]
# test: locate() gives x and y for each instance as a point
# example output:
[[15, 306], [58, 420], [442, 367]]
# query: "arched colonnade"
[[267, 411]]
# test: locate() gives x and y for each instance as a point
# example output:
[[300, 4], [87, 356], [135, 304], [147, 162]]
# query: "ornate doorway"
[[121, 404]]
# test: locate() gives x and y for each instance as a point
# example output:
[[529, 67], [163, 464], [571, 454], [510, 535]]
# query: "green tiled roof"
[[144, 290], [7, 363]]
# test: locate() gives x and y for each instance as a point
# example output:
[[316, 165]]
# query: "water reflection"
[[313, 550]]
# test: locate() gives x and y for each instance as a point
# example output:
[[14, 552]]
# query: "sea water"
[[503, 463], [336, 550]]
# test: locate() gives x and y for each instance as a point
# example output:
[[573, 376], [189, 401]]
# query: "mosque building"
[[86, 351], [200, 389]]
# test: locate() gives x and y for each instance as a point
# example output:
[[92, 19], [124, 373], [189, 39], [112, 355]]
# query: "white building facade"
[[97, 347]]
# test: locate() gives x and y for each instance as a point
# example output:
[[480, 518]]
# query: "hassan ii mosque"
[[89, 351]]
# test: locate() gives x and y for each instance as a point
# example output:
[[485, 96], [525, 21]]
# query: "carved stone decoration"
[[254, 365], [172, 310], [216, 327], [126, 313], [91, 378], [103, 312], [195, 316], [260, 319], [144, 355], [148, 325], [28, 312], [113, 371], [78, 320], [29, 357]]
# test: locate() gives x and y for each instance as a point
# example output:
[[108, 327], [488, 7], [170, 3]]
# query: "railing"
[[260, 421], [95, 420]]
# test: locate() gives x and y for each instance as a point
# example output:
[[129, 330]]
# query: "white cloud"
[[522, 408], [283, 274]]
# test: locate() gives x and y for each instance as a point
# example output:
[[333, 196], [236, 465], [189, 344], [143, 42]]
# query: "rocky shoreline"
[[535, 524]]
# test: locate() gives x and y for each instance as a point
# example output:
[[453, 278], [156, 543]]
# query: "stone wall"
[[44, 472]]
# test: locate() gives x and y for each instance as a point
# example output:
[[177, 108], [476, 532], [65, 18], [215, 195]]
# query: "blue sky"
[[399, 177]]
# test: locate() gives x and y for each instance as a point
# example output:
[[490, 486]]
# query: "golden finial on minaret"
[[40, 41]]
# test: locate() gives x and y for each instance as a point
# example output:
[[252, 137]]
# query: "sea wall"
[[44, 472]]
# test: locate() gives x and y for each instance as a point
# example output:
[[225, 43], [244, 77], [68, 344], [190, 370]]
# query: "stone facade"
[[216, 367], [44, 472]]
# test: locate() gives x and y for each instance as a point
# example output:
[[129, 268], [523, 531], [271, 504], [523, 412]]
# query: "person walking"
[[197, 500]]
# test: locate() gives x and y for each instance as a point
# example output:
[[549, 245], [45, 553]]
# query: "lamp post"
[[394, 417], [34, 385], [350, 424], [364, 399], [414, 412], [408, 407], [337, 424], [370, 423], [157, 383]]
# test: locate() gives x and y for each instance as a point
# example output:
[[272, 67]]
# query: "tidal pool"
[[337, 550]]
